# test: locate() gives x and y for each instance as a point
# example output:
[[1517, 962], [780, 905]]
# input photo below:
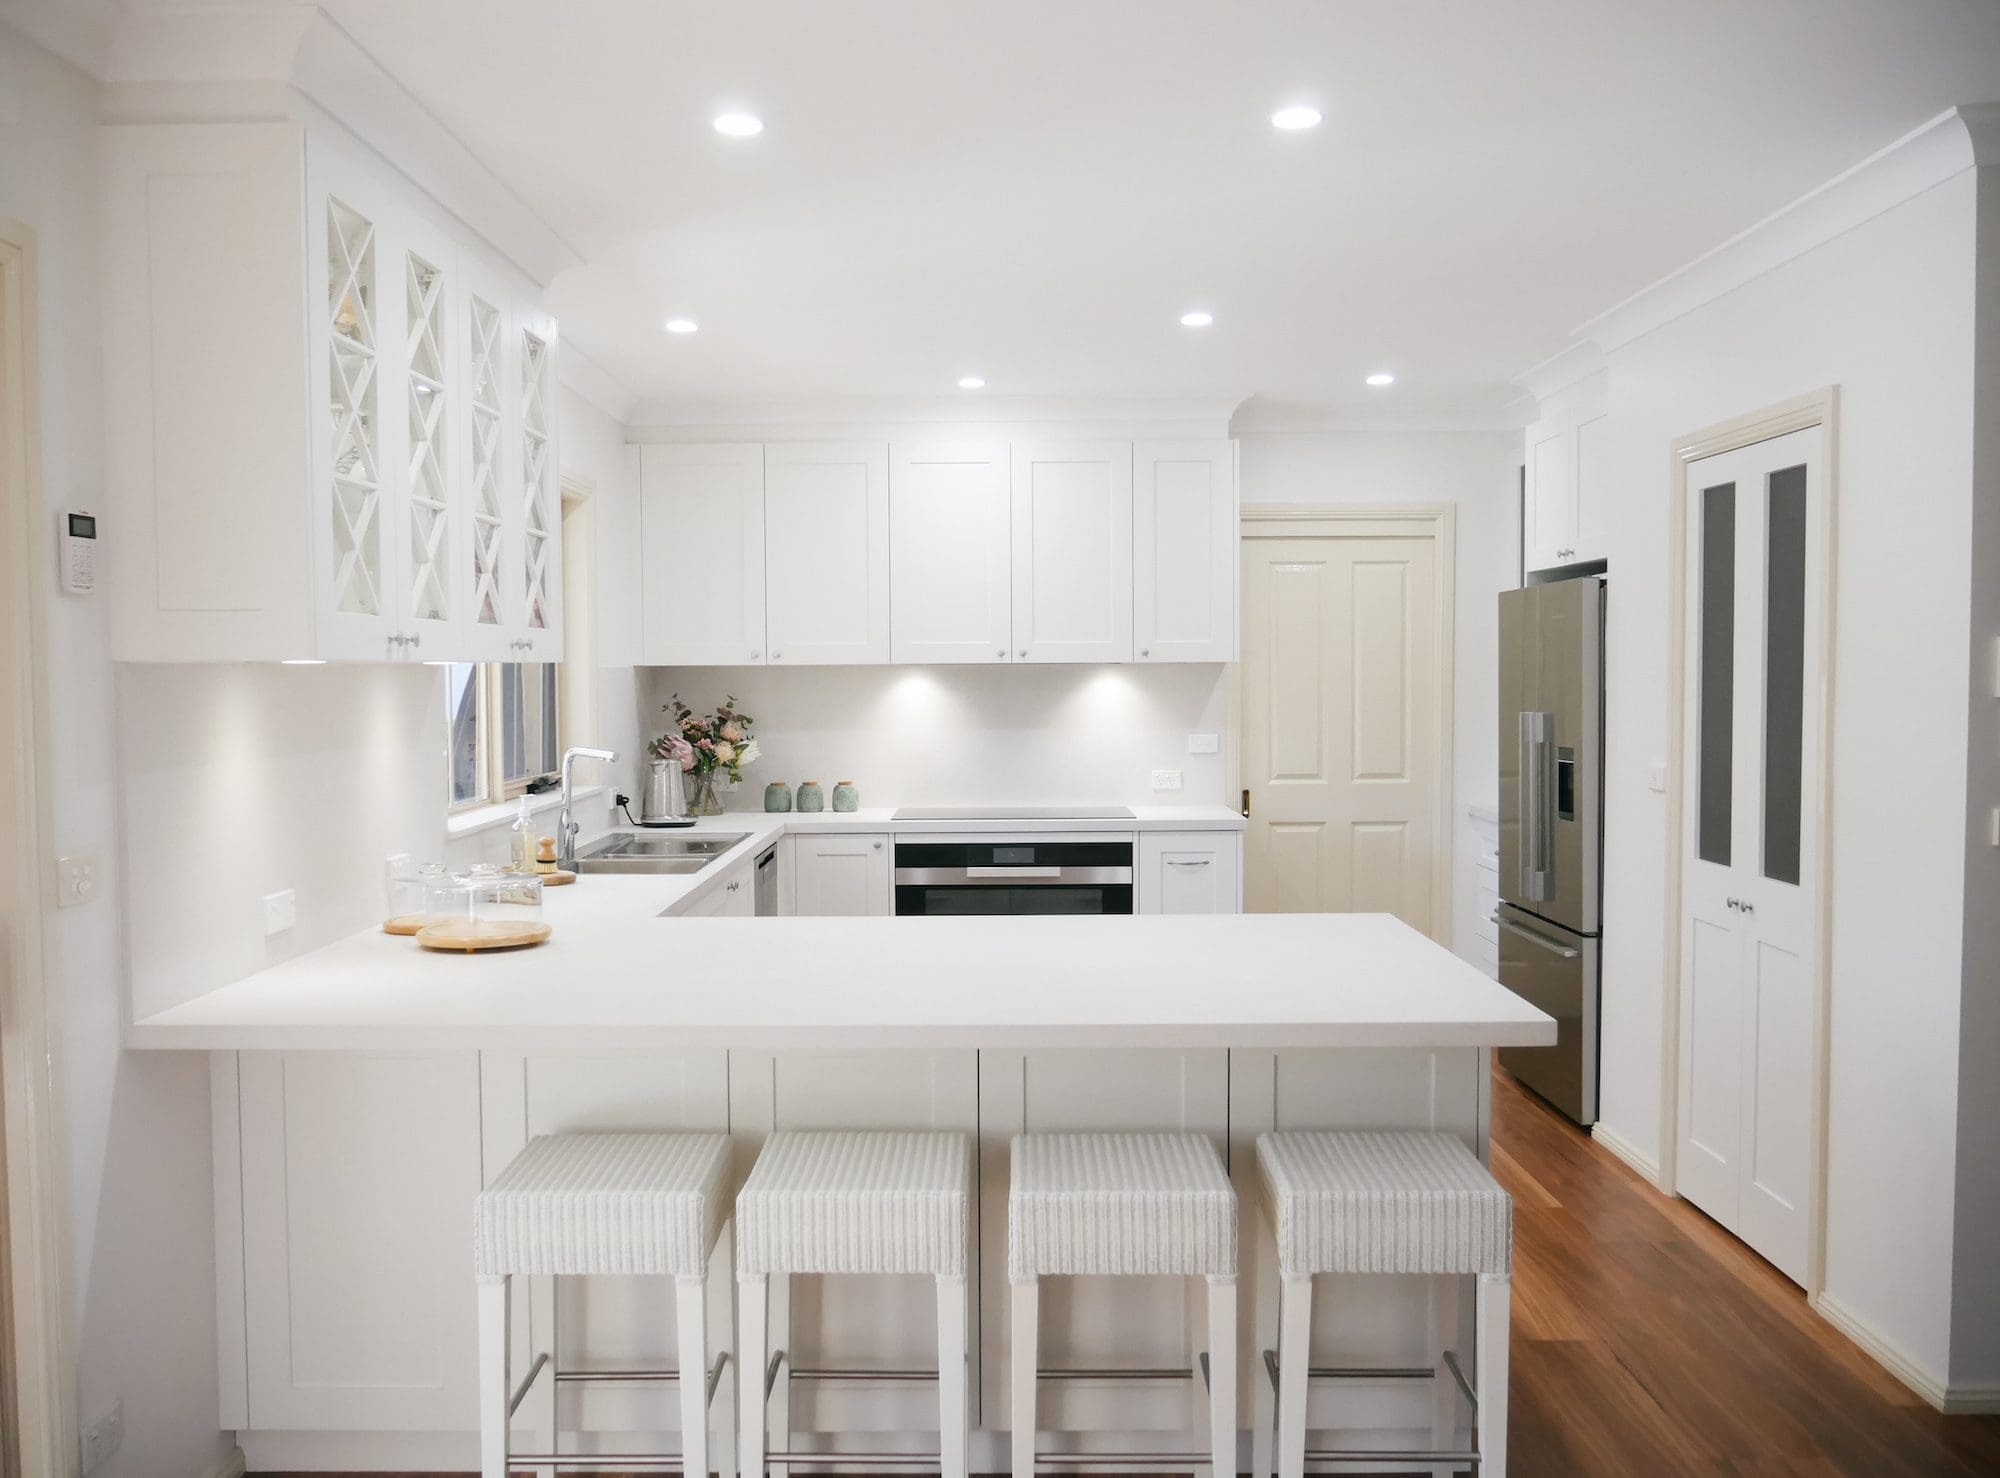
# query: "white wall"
[[1476, 472], [1884, 311], [1036, 733], [135, 1125]]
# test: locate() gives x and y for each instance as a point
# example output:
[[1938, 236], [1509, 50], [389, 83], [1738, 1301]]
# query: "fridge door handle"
[[1532, 937], [1537, 804]]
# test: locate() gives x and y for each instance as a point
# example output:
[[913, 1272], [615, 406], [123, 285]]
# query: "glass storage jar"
[[409, 896]]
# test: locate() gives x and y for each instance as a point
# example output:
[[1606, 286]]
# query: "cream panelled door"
[[1341, 677], [1756, 571]]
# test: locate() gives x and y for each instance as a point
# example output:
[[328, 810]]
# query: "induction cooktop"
[[1012, 813]]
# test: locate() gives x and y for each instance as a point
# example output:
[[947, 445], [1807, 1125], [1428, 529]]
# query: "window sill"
[[486, 818]]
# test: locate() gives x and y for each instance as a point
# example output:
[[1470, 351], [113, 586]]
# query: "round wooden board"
[[405, 923], [556, 879], [472, 936]]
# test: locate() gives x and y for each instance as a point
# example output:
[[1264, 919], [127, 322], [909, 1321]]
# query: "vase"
[[702, 800], [811, 797], [777, 796], [846, 797]]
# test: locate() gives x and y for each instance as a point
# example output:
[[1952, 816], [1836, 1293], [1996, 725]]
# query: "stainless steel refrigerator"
[[1551, 827]]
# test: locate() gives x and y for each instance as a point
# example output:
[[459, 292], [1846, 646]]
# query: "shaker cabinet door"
[[949, 553], [826, 552], [1072, 518], [702, 542]]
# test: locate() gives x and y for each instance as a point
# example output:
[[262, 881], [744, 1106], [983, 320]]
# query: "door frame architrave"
[[1436, 522], [34, 1284], [1818, 409]]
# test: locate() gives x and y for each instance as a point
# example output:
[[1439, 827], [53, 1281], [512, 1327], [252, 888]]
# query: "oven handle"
[[995, 877]]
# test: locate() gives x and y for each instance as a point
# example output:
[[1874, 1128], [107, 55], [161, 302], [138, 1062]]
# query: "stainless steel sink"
[[652, 852]]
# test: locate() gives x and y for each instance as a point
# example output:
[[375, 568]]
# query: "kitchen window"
[[505, 721]]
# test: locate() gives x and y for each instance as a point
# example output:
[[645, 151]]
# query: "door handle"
[[1532, 937], [1246, 805], [1536, 804], [1013, 872]]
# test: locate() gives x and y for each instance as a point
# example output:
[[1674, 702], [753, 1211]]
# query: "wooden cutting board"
[[472, 936]]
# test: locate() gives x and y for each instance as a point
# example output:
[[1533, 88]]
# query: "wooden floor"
[[1648, 1341]]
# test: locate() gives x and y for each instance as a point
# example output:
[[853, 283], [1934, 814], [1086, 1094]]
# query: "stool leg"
[[1496, 1292], [1445, 1293], [751, 1297], [493, 1377], [691, 1321], [1222, 1375], [1294, 1359], [1024, 1352], [542, 1315], [722, 1320], [954, 1430], [1263, 1399], [778, 1418]]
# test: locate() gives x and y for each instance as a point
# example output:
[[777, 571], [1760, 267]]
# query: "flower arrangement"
[[702, 745]]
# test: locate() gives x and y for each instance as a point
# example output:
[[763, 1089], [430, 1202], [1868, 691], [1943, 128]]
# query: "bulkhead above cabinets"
[[1562, 504], [332, 422], [954, 552]]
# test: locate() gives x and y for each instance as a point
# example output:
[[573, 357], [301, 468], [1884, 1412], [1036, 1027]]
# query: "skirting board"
[[1951, 1400], [1647, 1168], [232, 1466]]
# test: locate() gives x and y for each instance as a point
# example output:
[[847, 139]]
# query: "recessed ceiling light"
[[303, 662], [680, 326], [1381, 377], [1197, 319], [739, 125], [971, 382], [1295, 118]]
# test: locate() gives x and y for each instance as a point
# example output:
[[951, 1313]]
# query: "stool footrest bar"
[[1374, 1455], [714, 1378], [856, 1459], [618, 1461], [1369, 1372], [1464, 1385], [1126, 1459], [831, 1372], [527, 1381]]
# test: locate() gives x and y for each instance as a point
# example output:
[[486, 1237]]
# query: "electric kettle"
[[664, 800]]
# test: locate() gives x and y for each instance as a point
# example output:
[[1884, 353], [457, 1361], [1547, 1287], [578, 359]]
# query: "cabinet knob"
[[876, 845], [1145, 651], [416, 638], [754, 656], [734, 886], [1024, 651], [1001, 653], [777, 656]]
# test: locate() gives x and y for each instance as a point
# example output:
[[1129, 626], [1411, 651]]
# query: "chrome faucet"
[[566, 827]]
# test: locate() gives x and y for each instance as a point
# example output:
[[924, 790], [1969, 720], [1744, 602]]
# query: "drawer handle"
[[1562, 950], [1187, 862]]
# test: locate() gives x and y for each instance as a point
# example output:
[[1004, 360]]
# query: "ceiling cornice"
[[225, 60], [1955, 140], [668, 419], [584, 376]]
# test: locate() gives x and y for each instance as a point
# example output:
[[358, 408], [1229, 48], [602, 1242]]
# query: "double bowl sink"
[[656, 852]]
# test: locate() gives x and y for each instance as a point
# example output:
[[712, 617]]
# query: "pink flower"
[[732, 731], [687, 760]]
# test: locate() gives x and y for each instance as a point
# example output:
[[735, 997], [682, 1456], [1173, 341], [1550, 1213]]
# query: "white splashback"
[[1004, 735]]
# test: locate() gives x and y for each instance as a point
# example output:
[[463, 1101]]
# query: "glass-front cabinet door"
[[540, 492], [430, 516], [491, 554]]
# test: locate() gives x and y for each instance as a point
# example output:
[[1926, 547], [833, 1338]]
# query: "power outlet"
[[1166, 779], [1204, 744], [76, 881], [103, 1437], [281, 911]]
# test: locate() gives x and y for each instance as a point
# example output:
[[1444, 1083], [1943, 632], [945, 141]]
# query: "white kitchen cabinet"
[[701, 539], [1190, 872], [1184, 551], [288, 384], [1562, 513], [950, 553], [842, 875], [734, 896], [354, 1188], [826, 552], [1072, 544]]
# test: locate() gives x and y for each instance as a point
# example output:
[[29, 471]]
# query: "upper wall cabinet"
[[939, 552], [1562, 513], [950, 553], [826, 552], [1184, 551], [324, 440], [1072, 519], [701, 534]]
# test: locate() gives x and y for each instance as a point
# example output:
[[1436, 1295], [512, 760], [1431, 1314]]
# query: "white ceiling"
[[1036, 189]]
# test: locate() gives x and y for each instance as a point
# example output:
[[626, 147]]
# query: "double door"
[[1756, 551]]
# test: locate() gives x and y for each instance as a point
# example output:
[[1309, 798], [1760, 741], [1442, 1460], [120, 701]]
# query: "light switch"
[[1656, 777], [76, 881], [281, 911]]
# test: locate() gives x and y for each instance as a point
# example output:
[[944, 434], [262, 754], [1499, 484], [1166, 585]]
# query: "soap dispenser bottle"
[[522, 841]]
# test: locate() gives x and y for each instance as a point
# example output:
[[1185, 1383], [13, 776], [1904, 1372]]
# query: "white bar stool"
[[581, 1205], [1412, 1203], [1121, 1204], [854, 1202]]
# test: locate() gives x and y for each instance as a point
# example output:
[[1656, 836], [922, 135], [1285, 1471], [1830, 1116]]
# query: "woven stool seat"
[[856, 1202], [1119, 1204]]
